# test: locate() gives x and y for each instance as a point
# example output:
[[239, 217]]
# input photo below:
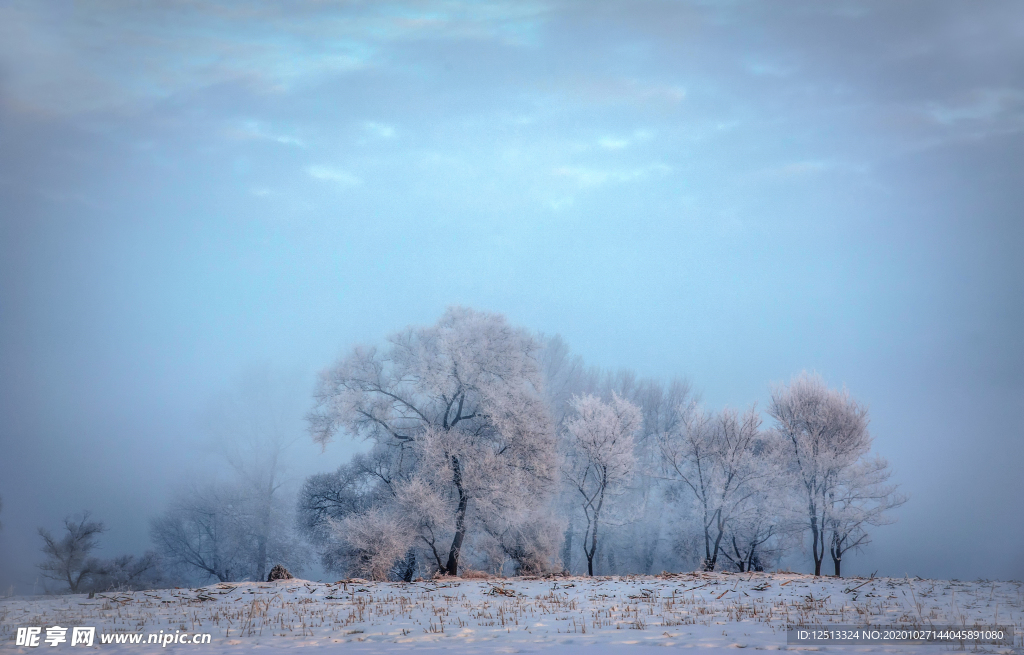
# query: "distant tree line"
[[493, 448]]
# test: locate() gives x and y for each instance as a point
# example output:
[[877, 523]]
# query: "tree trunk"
[[837, 554], [818, 554], [718, 541], [708, 566], [593, 532], [452, 567], [263, 537], [261, 559], [591, 549], [567, 549], [741, 561], [410, 565]]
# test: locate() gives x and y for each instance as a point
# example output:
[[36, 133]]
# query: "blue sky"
[[730, 191]]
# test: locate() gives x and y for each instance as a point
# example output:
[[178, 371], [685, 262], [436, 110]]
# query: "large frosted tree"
[[459, 404]]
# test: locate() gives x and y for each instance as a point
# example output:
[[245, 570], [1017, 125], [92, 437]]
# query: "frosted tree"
[[827, 437], [375, 539], [328, 498], [712, 460], [600, 458], [643, 534], [861, 499], [634, 529], [565, 376], [762, 532], [528, 540], [462, 400]]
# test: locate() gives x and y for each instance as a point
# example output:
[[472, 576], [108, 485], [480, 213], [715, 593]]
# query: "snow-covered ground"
[[699, 612]]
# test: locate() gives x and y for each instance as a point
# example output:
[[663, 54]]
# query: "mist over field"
[[652, 218]]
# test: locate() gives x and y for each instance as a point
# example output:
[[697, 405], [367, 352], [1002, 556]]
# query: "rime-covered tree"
[[461, 402], [68, 560], [375, 539], [764, 529], [861, 499], [328, 498], [355, 515], [234, 522], [633, 530], [827, 439], [601, 443], [712, 460]]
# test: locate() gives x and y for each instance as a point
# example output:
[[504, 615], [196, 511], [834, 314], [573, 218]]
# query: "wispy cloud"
[[625, 90], [982, 105], [621, 142], [594, 177], [97, 55], [333, 175], [613, 143], [257, 130], [381, 130], [767, 68], [809, 167]]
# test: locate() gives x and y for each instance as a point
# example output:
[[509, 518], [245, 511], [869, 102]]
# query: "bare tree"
[[763, 532], [462, 400], [745, 544], [601, 443], [67, 559], [200, 533], [128, 573], [253, 425], [827, 436]]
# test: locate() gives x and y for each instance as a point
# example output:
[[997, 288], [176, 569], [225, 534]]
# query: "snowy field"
[[694, 612]]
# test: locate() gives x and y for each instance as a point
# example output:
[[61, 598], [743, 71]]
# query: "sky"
[[729, 191]]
